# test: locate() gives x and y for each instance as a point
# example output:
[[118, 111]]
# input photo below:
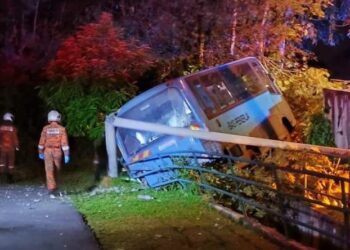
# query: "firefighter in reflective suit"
[[8, 145], [53, 141]]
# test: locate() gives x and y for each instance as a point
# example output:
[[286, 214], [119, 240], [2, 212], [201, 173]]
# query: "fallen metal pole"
[[227, 138]]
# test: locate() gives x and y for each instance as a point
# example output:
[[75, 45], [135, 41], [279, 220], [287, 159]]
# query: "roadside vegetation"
[[124, 215], [94, 66]]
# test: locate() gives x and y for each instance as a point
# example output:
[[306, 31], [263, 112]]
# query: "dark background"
[[335, 58]]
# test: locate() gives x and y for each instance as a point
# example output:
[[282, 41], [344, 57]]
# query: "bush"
[[320, 131]]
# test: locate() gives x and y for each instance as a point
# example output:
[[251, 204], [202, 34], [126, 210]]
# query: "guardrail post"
[[230, 165], [110, 138], [305, 181], [346, 214], [199, 166], [280, 199]]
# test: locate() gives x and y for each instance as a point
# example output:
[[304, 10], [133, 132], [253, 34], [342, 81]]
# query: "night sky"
[[336, 59]]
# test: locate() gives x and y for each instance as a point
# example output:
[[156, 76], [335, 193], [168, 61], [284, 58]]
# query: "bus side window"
[[235, 84], [252, 81], [204, 99], [214, 91], [216, 88], [266, 79]]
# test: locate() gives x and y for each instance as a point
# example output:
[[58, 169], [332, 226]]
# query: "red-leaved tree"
[[92, 75], [97, 52]]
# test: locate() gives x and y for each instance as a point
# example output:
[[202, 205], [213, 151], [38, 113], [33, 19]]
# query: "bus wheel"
[[233, 150], [287, 124]]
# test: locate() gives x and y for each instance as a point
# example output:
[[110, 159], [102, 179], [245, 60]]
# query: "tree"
[[93, 74], [219, 31], [334, 27], [303, 90], [31, 32], [98, 53]]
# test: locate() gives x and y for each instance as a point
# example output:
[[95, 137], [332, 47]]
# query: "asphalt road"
[[29, 219]]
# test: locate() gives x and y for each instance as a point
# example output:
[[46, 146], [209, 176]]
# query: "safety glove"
[[66, 159], [41, 156]]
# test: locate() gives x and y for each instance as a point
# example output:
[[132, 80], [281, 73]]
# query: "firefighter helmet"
[[8, 117], [54, 116]]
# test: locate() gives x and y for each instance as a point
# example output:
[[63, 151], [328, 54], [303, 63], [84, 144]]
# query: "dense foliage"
[[84, 109], [92, 75], [211, 31], [97, 65], [320, 131], [303, 90], [92, 51], [97, 52]]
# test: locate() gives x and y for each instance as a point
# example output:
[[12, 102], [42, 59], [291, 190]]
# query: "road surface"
[[30, 219]]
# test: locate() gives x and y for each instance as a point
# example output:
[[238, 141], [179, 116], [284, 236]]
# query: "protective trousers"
[[53, 158], [7, 161]]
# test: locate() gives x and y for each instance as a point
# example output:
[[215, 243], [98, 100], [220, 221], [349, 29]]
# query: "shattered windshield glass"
[[167, 108]]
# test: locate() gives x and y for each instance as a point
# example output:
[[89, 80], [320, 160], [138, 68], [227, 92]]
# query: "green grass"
[[175, 219], [120, 206], [116, 216], [112, 215]]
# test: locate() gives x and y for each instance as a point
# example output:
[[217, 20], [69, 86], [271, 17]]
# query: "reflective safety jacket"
[[8, 136], [54, 136]]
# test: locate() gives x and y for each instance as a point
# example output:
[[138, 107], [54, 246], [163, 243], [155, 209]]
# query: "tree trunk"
[[233, 31], [282, 51], [262, 30], [331, 29], [201, 49], [122, 7], [36, 17], [96, 161], [63, 9], [200, 34]]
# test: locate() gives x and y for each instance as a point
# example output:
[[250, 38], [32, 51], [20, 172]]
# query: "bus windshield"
[[167, 108]]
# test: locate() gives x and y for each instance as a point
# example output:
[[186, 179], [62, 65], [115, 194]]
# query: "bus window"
[[265, 78], [167, 107], [216, 88], [211, 92], [203, 97], [235, 84], [224, 87], [251, 81]]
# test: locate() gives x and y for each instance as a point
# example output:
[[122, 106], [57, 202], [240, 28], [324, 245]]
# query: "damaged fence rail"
[[293, 207], [169, 130], [113, 122]]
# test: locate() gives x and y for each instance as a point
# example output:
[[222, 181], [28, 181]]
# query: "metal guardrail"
[[287, 201], [222, 137], [289, 204]]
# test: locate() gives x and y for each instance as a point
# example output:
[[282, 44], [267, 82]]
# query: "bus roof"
[[145, 95], [250, 58], [155, 90]]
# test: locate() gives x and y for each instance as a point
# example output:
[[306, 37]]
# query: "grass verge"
[[172, 219]]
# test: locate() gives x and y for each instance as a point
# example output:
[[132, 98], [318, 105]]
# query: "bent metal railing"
[[277, 198], [291, 202]]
